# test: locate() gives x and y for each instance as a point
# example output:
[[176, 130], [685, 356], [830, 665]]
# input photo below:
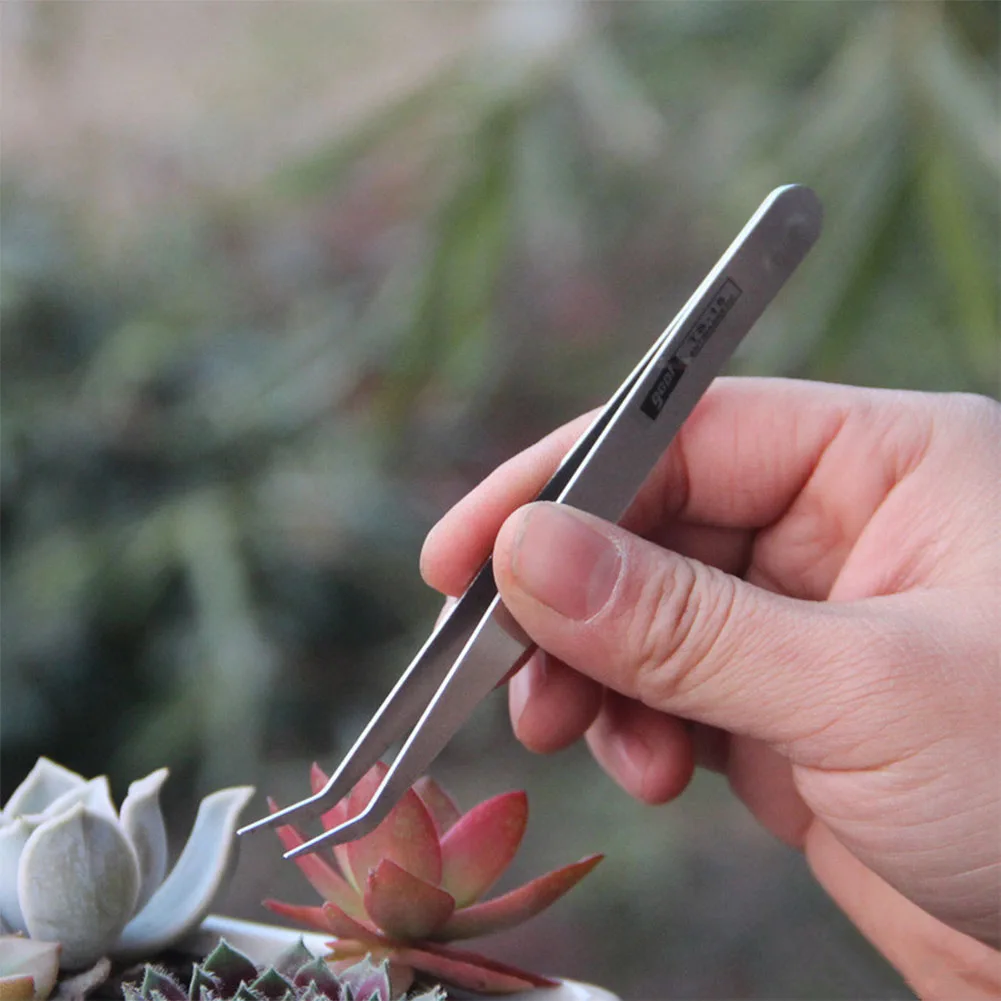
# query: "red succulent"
[[416, 881]]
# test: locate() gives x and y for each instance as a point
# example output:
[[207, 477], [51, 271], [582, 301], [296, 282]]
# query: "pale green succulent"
[[73, 870]]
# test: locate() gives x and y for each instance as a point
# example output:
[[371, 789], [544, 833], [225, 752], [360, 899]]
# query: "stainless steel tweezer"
[[479, 643]]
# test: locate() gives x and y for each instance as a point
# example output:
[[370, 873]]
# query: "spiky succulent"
[[76, 871], [416, 882], [226, 974]]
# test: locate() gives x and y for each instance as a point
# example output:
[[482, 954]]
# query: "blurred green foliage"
[[230, 417]]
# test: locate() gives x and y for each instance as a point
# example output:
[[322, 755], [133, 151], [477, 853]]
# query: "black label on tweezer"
[[709, 319], [654, 402]]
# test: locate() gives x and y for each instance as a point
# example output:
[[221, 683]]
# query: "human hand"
[[805, 596]]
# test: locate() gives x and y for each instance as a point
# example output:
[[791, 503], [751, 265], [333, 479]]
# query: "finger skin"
[[740, 460], [940, 963], [681, 637], [647, 752], [551, 705]]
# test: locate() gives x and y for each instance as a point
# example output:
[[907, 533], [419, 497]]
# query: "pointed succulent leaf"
[[322, 877], [95, 795], [271, 985], [184, 897], [45, 782], [228, 967], [78, 881], [480, 846], [292, 959], [440, 805], [367, 981], [157, 981], [131, 993], [471, 971], [407, 837], [318, 973], [25, 957], [518, 905], [199, 980], [142, 820], [435, 993], [244, 993], [310, 994], [13, 837], [403, 906], [327, 918]]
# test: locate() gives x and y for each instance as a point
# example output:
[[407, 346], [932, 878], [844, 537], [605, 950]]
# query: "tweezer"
[[478, 643]]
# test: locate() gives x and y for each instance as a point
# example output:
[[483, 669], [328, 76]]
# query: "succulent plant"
[[415, 882], [28, 969], [297, 975], [76, 872]]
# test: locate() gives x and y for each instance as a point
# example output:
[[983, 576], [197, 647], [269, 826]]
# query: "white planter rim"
[[264, 943]]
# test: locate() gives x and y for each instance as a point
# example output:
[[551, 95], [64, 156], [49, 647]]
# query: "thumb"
[[688, 639]]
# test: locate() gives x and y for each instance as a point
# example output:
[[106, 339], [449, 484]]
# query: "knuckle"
[[679, 620]]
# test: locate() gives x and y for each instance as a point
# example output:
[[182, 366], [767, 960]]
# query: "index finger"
[[739, 461]]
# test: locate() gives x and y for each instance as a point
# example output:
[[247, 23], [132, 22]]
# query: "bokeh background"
[[280, 282]]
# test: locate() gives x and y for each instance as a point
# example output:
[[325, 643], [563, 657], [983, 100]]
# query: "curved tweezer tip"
[[313, 804], [357, 827]]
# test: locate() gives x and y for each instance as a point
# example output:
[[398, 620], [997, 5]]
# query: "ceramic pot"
[[264, 943]]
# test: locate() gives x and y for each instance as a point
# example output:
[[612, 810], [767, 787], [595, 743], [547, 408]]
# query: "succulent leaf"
[[293, 959], [78, 880], [402, 905], [142, 820], [317, 972], [407, 837], [157, 981], [367, 981], [13, 837], [322, 877], [328, 918], [24, 958], [200, 979], [271, 985], [46, 782], [228, 967], [471, 971], [518, 905], [481, 845], [184, 897], [302, 914], [440, 805]]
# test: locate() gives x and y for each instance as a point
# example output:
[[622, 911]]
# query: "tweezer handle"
[[716, 318]]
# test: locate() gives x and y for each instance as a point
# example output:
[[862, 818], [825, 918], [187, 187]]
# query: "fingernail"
[[446, 608], [526, 684], [634, 756], [564, 562]]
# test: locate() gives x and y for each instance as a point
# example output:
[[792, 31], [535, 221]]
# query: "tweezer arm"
[[713, 322]]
